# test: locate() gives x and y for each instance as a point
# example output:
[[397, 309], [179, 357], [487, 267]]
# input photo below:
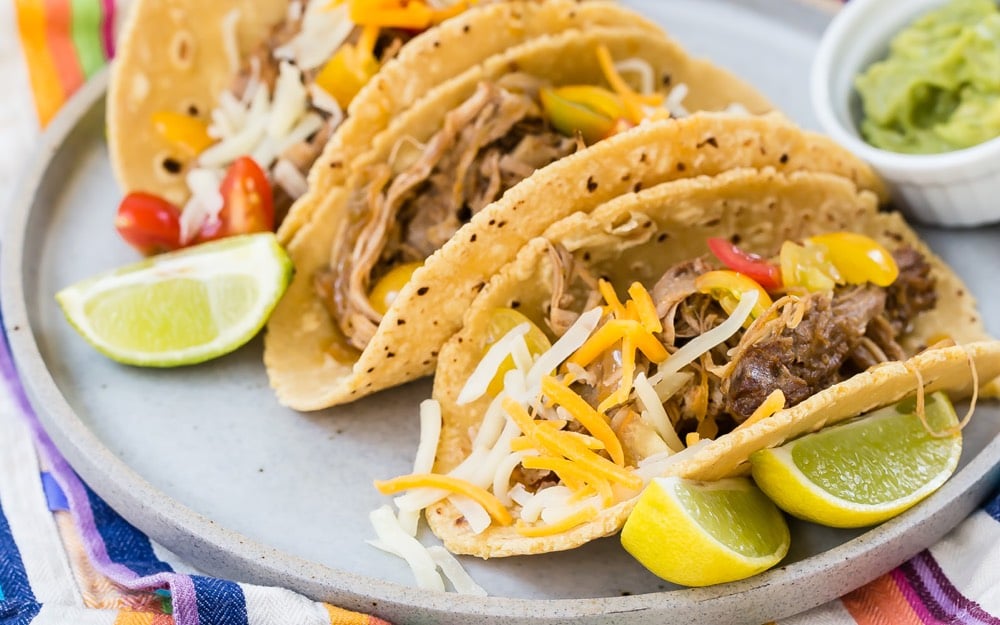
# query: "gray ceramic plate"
[[206, 462]]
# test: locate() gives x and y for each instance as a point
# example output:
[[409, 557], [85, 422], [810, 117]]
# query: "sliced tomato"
[[248, 205], [148, 223], [762, 272]]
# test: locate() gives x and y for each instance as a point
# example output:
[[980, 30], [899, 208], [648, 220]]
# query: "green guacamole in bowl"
[[939, 88]]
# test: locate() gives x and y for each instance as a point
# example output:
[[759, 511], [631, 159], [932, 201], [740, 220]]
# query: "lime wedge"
[[701, 533], [183, 307], [863, 471]]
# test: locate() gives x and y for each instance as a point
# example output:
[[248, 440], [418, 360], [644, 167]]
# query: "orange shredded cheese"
[[594, 422], [691, 439], [564, 445], [407, 14], [645, 308], [628, 371], [774, 402], [497, 511], [368, 39], [564, 524], [608, 293], [633, 101], [571, 474]]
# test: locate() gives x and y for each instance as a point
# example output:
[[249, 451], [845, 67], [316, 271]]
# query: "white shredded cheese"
[[491, 425], [486, 470], [520, 494], [395, 540], [642, 69], [324, 30], [245, 140], [325, 102], [568, 343], [554, 514], [310, 123], [697, 346], [423, 461], [475, 515], [289, 178], [522, 356], [289, 103], [501, 479], [674, 101], [230, 41], [460, 580], [479, 381], [657, 464], [204, 204], [547, 497], [654, 413]]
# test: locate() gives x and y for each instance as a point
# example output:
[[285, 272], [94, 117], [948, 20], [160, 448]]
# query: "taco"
[[305, 364], [274, 79], [442, 162], [593, 361]]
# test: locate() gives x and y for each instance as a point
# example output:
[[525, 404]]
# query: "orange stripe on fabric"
[[340, 616], [59, 30], [163, 619], [45, 82], [880, 603], [126, 617]]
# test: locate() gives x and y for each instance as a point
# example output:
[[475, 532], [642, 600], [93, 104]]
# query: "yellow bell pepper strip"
[[569, 117], [502, 321], [727, 286], [597, 99], [384, 293], [807, 266], [451, 484], [858, 259], [187, 133], [632, 101], [347, 72]]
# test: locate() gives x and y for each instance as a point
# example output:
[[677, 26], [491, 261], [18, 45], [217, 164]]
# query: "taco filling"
[[630, 387], [412, 205], [286, 98]]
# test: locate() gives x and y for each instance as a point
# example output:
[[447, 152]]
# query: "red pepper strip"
[[753, 266]]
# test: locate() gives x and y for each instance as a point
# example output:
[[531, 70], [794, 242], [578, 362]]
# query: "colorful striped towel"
[[67, 557]]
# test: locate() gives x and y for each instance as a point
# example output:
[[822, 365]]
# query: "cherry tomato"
[[248, 205], [502, 321], [761, 271], [858, 258], [148, 223]]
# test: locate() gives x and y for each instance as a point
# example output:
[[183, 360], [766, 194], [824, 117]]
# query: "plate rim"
[[228, 554]]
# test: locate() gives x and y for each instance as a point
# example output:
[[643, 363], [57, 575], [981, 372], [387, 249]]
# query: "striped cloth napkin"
[[67, 557]]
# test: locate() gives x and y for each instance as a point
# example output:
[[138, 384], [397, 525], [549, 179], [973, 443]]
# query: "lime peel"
[[702, 533], [184, 307], [864, 471]]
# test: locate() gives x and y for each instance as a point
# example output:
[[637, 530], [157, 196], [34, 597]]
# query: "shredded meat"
[[566, 270], [675, 286], [913, 291], [805, 359], [486, 145]]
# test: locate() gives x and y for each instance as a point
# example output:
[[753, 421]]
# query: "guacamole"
[[939, 88]]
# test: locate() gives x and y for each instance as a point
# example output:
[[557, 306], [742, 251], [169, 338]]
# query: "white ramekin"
[[960, 188]]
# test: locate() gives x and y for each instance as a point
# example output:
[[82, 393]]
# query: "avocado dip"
[[939, 88]]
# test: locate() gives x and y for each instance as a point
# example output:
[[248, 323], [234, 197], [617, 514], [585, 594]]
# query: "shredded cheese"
[[460, 580], [567, 523], [475, 387], [634, 102], [475, 515], [575, 336], [547, 497], [654, 413], [645, 307], [397, 541], [501, 479], [697, 346], [571, 474], [774, 402], [480, 495], [594, 422]]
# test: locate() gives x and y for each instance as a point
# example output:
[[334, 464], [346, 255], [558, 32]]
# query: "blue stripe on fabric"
[[220, 602], [125, 544], [993, 507], [54, 495], [17, 601]]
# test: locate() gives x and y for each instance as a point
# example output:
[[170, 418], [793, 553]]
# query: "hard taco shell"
[[300, 332], [624, 240]]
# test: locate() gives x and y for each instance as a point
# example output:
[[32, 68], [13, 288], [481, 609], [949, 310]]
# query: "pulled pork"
[[488, 144], [807, 344]]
